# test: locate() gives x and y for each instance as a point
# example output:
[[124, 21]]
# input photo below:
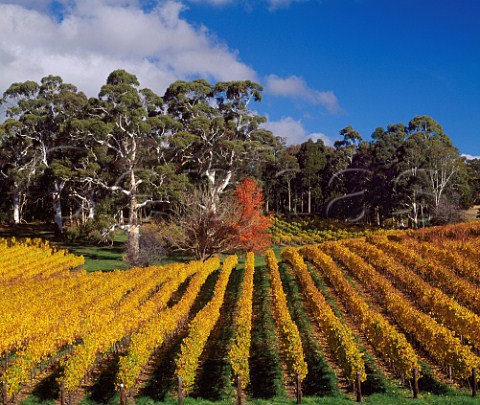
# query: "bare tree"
[[201, 226]]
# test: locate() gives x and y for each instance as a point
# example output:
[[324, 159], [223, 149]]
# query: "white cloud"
[[271, 4], [213, 2], [96, 37], [319, 135], [294, 132], [470, 157], [296, 87], [276, 4]]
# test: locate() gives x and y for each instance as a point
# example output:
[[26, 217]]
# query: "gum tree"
[[36, 138], [127, 126], [219, 133]]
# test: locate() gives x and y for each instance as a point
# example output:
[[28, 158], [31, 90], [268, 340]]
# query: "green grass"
[[97, 257], [401, 397], [104, 258], [265, 364]]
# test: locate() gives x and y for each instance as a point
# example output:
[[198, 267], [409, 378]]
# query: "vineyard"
[[394, 313]]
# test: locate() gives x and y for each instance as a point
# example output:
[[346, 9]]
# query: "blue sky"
[[324, 64]]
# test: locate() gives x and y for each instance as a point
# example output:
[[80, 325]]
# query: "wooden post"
[[450, 373], [4, 393], [358, 387], [239, 389], [415, 382], [474, 382], [62, 393], [299, 388], [180, 391], [123, 395]]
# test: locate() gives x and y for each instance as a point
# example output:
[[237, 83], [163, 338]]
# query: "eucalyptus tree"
[[442, 158], [288, 168], [271, 175], [219, 133], [430, 166], [383, 193], [348, 145], [18, 162], [337, 170], [35, 136], [358, 182], [280, 176], [312, 161], [128, 127]]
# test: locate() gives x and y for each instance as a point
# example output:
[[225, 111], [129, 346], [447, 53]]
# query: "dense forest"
[[130, 154]]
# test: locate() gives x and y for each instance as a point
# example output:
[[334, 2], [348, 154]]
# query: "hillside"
[[368, 310]]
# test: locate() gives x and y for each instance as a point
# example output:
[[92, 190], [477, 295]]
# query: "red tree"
[[251, 224]]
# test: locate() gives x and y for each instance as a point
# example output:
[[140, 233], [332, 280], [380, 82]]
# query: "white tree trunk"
[[309, 200], [91, 208], [16, 205], [58, 186], [134, 243], [134, 227], [216, 187], [414, 214]]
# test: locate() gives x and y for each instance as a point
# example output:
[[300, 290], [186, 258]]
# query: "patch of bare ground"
[[99, 383], [471, 213]]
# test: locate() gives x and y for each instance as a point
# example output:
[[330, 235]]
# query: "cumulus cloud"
[[294, 132], [276, 4], [470, 157], [212, 2], [295, 87], [271, 4], [94, 37], [319, 135]]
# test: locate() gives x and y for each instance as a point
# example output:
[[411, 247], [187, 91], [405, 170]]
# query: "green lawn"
[[402, 397], [106, 258]]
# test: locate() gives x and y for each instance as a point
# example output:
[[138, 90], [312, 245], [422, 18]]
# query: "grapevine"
[[291, 343], [439, 341], [240, 344], [154, 332], [200, 328], [387, 340], [339, 336]]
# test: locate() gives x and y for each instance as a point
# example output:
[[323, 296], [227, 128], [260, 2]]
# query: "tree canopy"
[[129, 154]]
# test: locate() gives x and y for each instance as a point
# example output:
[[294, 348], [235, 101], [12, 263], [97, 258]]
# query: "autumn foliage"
[[203, 227], [252, 224]]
